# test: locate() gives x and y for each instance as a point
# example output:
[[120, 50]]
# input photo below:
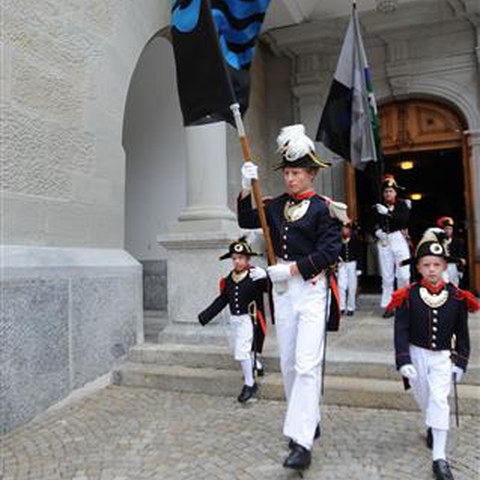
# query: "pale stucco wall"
[[66, 68], [68, 312]]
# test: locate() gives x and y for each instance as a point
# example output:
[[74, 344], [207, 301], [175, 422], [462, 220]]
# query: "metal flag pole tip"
[[235, 108]]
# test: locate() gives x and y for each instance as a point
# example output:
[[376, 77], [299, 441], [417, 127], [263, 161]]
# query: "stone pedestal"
[[203, 230], [68, 315]]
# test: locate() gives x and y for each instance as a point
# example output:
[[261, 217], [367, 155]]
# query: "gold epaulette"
[[337, 210]]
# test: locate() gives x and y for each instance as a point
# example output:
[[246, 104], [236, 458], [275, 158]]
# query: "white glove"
[[408, 371], [257, 273], [381, 209], [279, 273], [380, 234], [359, 272], [458, 372], [249, 173]]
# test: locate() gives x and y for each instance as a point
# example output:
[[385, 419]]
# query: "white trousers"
[[347, 284], [390, 253], [432, 385], [451, 274], [243, 333], [300, 327]]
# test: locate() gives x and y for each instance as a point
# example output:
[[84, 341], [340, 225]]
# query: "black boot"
[[388, 314], [248, 394], [316, 435], [441, 470], [299, 458], [429, 439], [350, 313], [342, 312]]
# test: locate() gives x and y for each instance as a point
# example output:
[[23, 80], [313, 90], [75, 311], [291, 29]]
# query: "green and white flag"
[[349, 125]]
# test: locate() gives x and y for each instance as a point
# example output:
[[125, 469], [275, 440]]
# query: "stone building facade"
[[99, 178]]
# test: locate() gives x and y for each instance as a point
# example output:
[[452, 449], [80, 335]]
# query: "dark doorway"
[[438, 177], [435, 186]]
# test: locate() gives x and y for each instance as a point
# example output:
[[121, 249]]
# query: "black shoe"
[[299, 458], [429, 438], [388, 314], [316, 435], [441, 470], [260, 372], [342, 312], [248, 393], [350, 313]]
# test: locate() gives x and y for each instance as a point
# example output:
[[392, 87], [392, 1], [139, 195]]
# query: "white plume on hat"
[[293, 143], [433, 234]]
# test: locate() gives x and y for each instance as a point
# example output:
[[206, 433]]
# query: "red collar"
[[433, 288], [302, 196]]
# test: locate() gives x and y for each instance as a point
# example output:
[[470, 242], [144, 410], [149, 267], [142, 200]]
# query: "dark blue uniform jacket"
[[431, 328], [313, 241]]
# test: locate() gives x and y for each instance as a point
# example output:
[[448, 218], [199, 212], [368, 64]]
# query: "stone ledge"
[[21, 261]]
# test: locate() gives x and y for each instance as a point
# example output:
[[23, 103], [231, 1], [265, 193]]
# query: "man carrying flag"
[[305, 231]]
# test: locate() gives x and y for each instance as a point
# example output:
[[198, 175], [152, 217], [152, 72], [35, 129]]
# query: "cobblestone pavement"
[[137, 434]]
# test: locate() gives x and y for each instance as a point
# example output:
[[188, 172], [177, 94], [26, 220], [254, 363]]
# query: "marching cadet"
[[242, 289], [428, 314], [306, 239], [392, 223], [348, 269], [455, 251]]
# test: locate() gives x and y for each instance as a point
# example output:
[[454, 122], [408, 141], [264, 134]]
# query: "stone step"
[[368, 301], [154, 321], [339, 390], [339, 362]]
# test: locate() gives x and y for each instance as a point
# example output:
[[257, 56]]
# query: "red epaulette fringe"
[[223, 284], [398, 298], [473, 304]]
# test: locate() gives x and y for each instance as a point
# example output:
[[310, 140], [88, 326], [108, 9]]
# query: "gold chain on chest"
[[433, 300]]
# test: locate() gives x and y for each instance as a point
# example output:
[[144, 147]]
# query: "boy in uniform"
[[305, 232], [242, 289], [392, 223], [428, 314], [348, 269]]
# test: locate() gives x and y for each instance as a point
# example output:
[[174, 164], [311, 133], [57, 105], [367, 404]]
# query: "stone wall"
[[67, 316], [66, 68], [71, 298]]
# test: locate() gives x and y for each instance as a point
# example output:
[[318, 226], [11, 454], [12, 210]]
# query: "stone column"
[[203, 230], [474, 141]]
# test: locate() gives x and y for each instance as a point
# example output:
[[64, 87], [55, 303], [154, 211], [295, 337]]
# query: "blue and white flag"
[[214, 43]]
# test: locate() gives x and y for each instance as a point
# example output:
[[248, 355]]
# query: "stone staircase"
[[359, 372], [154, 321]]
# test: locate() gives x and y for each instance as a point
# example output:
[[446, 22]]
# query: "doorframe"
[[464, 145]]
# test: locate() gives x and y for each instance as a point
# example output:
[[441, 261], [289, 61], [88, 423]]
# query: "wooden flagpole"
[[247, 157]]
